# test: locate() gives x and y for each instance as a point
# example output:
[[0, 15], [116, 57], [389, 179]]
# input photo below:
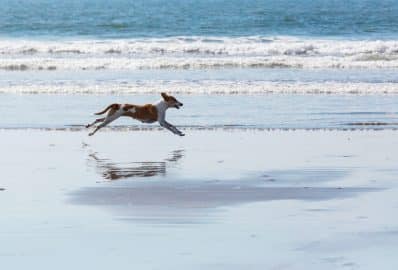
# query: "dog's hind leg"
[[108, 119], [95, 122]]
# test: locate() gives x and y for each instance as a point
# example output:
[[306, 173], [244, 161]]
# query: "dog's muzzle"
[[177, 106]]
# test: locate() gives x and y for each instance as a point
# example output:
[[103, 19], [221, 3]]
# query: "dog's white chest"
[[161, 108]]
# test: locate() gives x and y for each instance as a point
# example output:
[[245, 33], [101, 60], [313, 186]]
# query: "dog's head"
[[171, 101]]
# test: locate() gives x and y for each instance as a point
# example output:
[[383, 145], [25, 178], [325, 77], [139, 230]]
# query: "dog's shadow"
[[111, 171]]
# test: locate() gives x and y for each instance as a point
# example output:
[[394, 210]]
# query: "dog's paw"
[[91, 134], [181, 134]]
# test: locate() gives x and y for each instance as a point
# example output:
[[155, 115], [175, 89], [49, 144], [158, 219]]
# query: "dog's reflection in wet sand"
[[116, 171]]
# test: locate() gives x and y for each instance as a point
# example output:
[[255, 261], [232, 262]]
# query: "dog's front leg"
[[170, 127], [176, 130]]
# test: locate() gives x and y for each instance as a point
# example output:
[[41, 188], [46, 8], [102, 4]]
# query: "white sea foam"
[[197, 52], [203, 87]]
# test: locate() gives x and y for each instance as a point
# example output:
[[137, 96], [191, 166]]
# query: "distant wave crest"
[[197, 53]]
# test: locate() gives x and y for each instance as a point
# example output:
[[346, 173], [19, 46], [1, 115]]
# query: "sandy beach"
[[213, 200]]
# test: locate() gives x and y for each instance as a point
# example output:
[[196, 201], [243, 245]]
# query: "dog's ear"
[[164, 96]]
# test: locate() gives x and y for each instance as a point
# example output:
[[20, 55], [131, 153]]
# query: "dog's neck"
[[161, 106]]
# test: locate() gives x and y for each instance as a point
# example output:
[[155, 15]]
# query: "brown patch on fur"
[[146, 113], [165, 96], [168, 98], [171, 101]]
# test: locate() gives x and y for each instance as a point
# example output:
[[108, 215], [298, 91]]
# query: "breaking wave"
[[197, 53], [202, 87]]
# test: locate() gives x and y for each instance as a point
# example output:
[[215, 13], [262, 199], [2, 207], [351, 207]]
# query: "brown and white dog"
[[148, 113]]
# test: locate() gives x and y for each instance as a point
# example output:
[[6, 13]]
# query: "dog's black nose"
[[181, 104]]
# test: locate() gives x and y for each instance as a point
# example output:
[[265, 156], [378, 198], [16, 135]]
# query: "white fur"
[[161, 107]]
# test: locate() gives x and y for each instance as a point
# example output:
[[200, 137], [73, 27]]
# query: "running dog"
[[148, 113]]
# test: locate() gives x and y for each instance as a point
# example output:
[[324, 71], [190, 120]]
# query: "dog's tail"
[[112, 106]]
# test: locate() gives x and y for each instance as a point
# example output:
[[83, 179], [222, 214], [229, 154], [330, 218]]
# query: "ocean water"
[[205, 18], [205, 34], [218, 47]]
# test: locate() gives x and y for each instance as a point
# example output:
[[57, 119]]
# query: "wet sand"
[[211, 200], [263, 111]]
